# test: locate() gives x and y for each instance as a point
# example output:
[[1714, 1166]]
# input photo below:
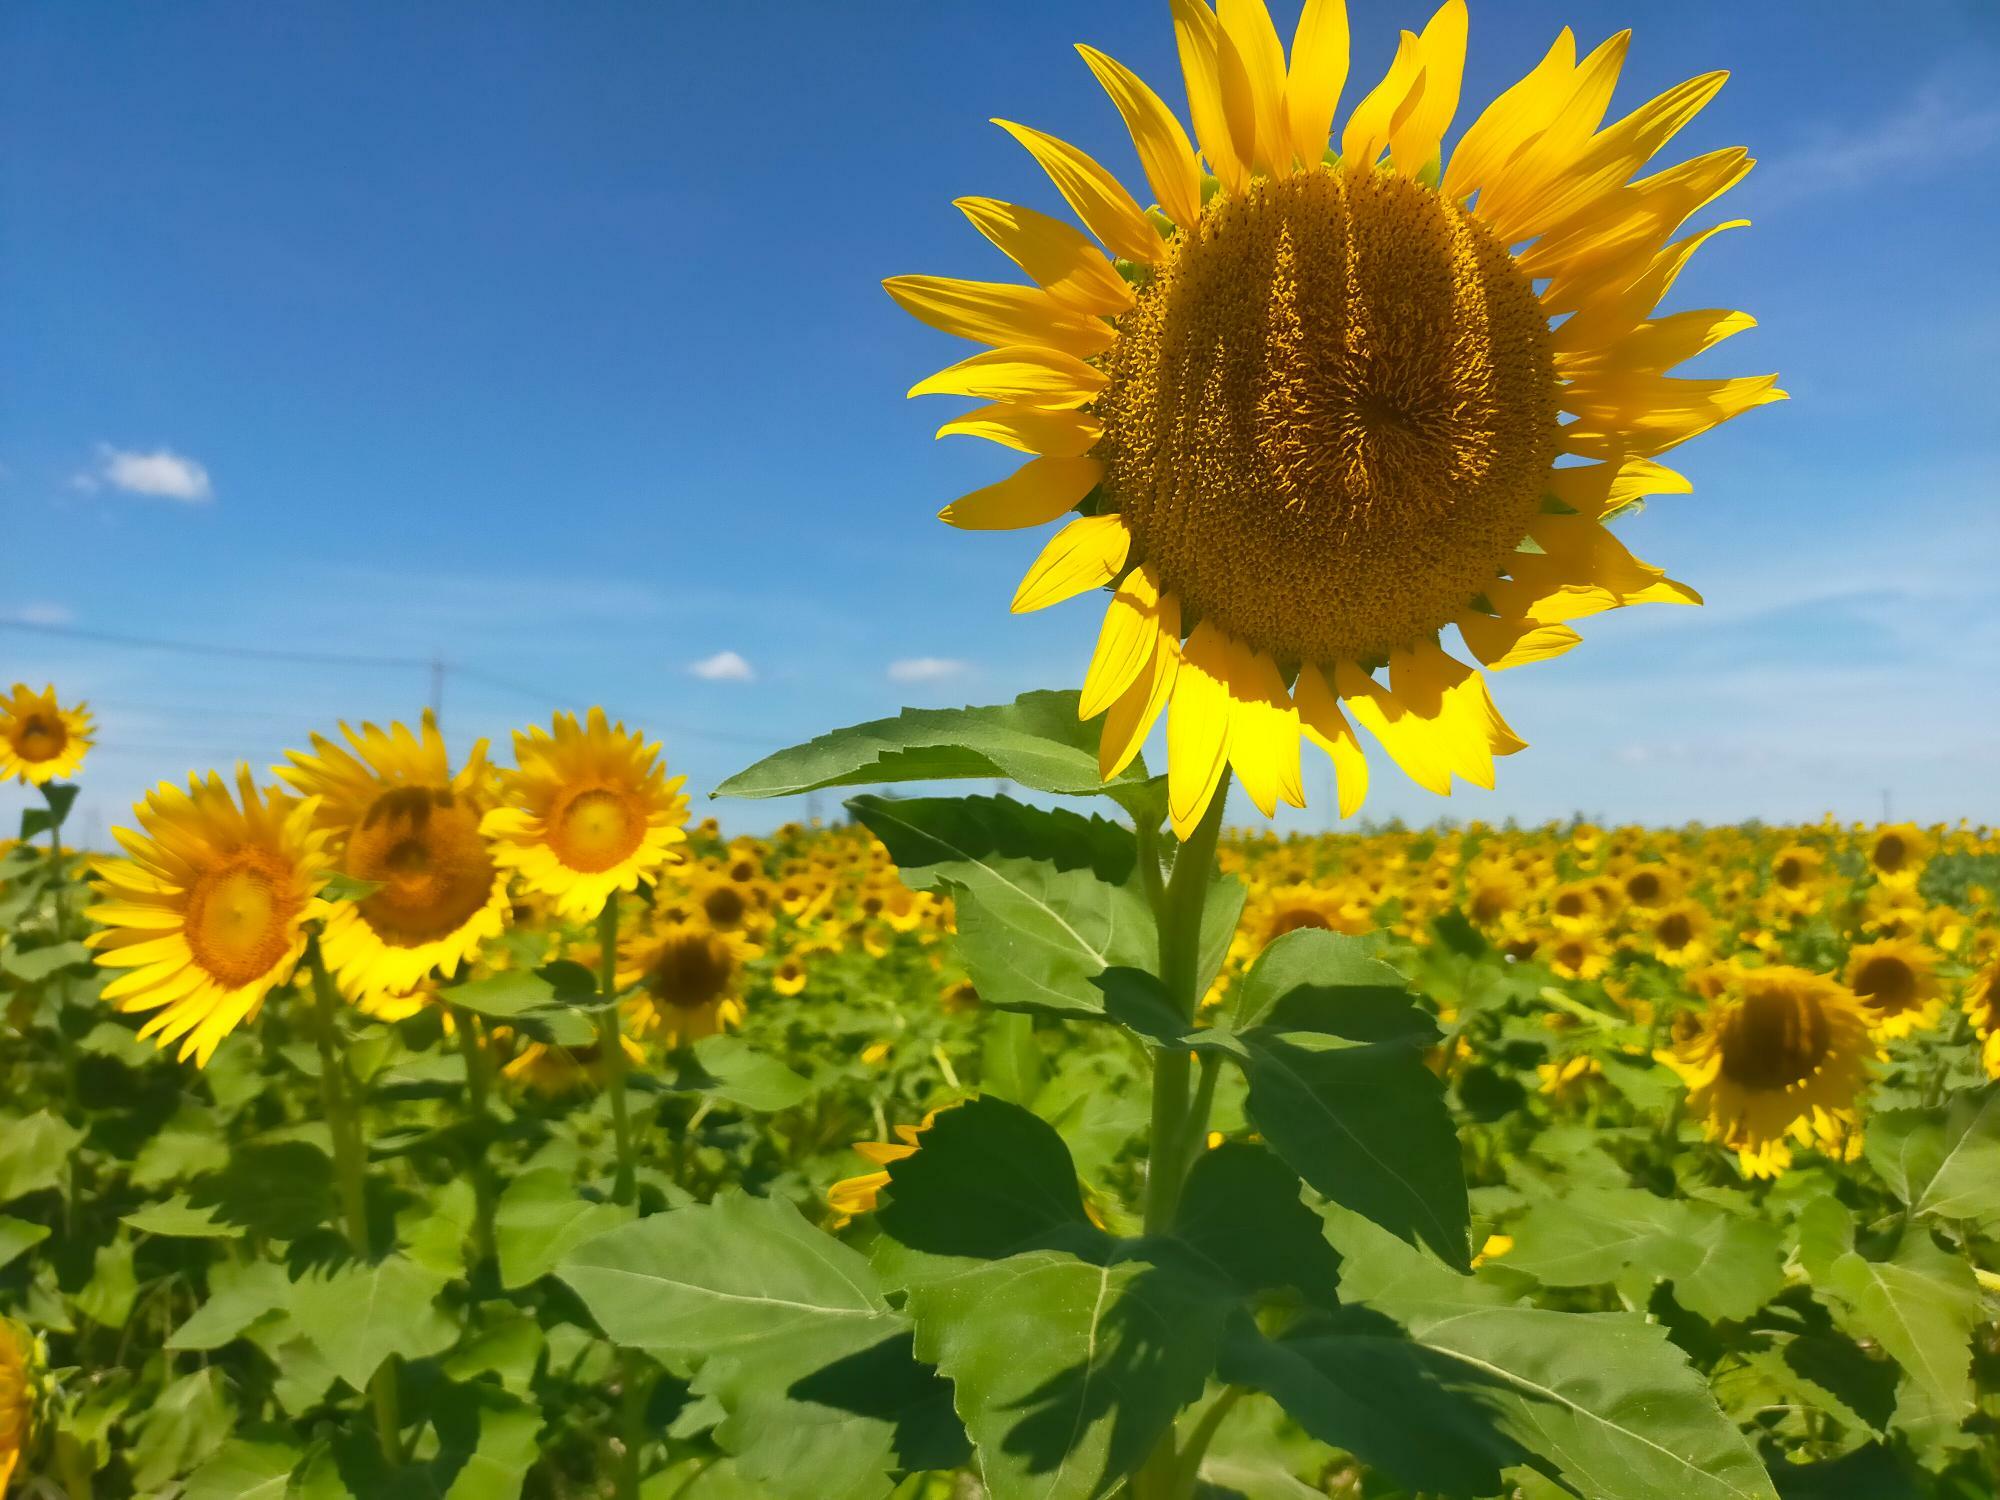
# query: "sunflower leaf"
[[1037, 741], [1944, 1163]]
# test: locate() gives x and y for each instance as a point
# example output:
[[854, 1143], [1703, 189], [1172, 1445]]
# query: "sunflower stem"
[[479, 1094], [625, 1185], [1180, 972], [343, 1125]]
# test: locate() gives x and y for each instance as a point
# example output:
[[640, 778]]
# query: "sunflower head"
[[1332, 396], [1982, 1007], [588, 811], [1780, 1054], [1896, 981], [209, 910], [40, 740], [398, 817], [1898, 853], [689, 980], [18, 1358], [1677, 935]]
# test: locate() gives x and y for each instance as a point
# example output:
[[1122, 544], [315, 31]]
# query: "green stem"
[[1180, 971], [479, 1093], [625, 1185], [1187, 1463], [350, 1165]]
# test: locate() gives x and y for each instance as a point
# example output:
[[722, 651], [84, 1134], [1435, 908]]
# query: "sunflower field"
[[413, 1118]]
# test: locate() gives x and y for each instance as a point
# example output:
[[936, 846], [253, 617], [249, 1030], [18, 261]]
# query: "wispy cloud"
[[1943, 122], [926, 669], [161, 474], [38, 612], [724, 666]]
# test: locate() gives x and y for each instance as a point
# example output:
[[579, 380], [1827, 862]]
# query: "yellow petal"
[[1499, 644], [1648, 414], [1326, 726], [1510, 193], [1020, 372], [1125, 643], [1058, 257], [1319, 72], [1610, 239], [1263, 729], [1602, 490], [1659, 345], [1400, 732], [1386, 107], [1199, 37], [1165, 153], [1086, 554], [1033, 495], [1580, 550], [1099, 199], [1197, 728], [1608, 311], [1032, 429], [1246, 25], [1511, 120], [1444, 695], [1441, 54], [1131, 718], [998, 313]]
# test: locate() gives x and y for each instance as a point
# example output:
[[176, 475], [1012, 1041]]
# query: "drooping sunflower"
[[17, 1397], [1331, 397], [1778, 1057], [588, 811], [1898, 853], [209, 911], [395, 815], [689, 979], [1896, 981], [40, 740]]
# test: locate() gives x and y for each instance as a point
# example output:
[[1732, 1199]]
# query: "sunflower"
[[1898, 853], [40, 740], [1896, 980], [1648, 886], [1795, 874], [1333, 396], [1576, 955], [789, 977], [1678, 934], [1780, 1055], [17, 1397], [589, 811], [554, 1071], [397, 817], [689, 980], [1576, 906], [210, 910], [1982, 1006]]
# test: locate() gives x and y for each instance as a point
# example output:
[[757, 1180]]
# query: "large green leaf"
[[1721, 1265], [540, 1219], [33, 1153], [361, 1313], [1312, 980], [933, 839], [1920, 1305], [1066, 1372], [1446, 1393], [1240, 1212], [1944, 1163], [792, 1336], [1037, 740], [245, 1469], [1034, 928], [1364, 1122], [182, 1427], [731, 1070], [239, 1293], [18, 1236]]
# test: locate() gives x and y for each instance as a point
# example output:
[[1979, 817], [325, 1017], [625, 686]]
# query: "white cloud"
[[724, 666], [926, 669], [1942, 122], [42, 614], [163, 474]]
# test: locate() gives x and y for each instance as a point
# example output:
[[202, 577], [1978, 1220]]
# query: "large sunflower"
[[209, 912], [1779, 1056], [40, 740], [398, 818], [1332, 397], [588, 811]]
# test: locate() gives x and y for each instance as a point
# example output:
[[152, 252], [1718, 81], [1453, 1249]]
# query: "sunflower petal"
[[1033, 495], [1125, 643], [999, 313], [1377, 117], [1198, 35], [1032, 429], [1322, 722], [1318, 74], [1511, 120], [1400, 732], [1502, 643], [1099, 199], [1165, 153], [1128, 721], [1600, 491], [1417, 140], [1059, 258], [1086, 554], [1246, 25], [1019, 372], [1198, 725], [1263, 729]]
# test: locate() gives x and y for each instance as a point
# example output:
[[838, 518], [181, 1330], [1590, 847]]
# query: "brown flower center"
[[422, 845], [241, 915], [1774, 1040]]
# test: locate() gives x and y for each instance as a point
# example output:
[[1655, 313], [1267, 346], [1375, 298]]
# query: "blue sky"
[[548, 340]]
